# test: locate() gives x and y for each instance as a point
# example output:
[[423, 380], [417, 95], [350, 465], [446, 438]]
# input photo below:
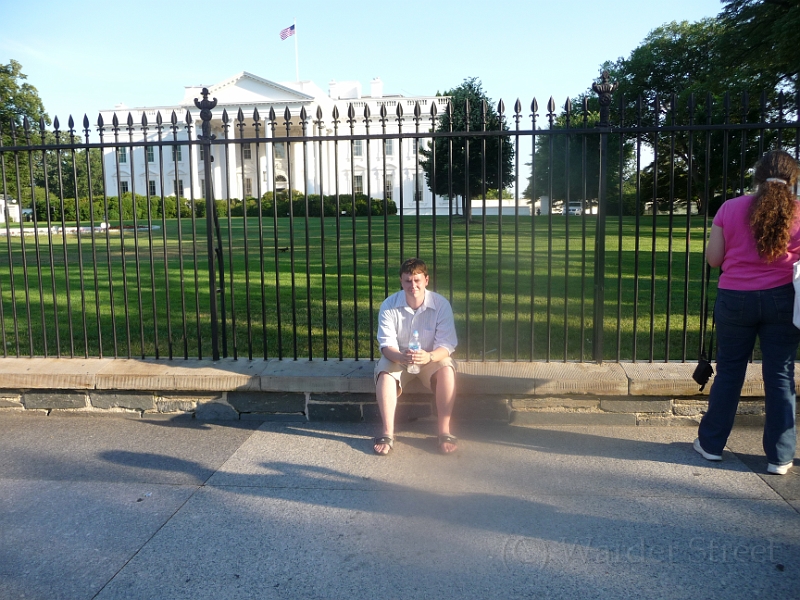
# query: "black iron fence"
[[575, 234]]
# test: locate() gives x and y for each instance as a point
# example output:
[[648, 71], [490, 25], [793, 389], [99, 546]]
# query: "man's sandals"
[[384, 440], [447, 439]]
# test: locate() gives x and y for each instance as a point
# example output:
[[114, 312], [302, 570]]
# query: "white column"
[[194, 156], [297, 167], [265, 160]]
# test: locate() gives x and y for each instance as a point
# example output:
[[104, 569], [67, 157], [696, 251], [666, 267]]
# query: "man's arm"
[[438, 354], [387, 335], [394, 355], [387, 338], [444, 338]]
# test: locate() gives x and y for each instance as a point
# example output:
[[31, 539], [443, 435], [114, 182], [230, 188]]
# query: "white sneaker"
[[779, 469], [705, 454]]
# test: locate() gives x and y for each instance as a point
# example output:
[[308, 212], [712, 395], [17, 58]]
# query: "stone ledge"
[[51, 373], [180, 375], [662, 379], [543, 378], [522, 392], [675, 379], [351, 376]]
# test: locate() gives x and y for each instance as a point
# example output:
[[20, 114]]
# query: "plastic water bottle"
[[414, 346]]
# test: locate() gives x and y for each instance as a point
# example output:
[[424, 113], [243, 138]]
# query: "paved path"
[[112, 508]]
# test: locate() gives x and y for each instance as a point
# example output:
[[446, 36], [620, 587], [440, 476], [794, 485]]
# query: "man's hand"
[[421, 357]]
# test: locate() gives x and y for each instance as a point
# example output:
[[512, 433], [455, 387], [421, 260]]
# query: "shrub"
[[363, 205]]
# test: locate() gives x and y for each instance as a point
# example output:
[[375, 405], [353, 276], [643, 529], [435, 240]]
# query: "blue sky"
[[88, 55]]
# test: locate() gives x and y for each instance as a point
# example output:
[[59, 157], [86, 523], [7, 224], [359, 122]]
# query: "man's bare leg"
[[386, 396], [445, 399]]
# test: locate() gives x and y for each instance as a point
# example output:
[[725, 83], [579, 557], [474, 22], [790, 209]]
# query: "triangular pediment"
[[246, 88]]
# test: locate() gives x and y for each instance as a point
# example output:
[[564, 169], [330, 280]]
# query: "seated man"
[[414, 308]]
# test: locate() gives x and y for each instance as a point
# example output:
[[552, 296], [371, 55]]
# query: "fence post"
[[604, 91], [205, 105]]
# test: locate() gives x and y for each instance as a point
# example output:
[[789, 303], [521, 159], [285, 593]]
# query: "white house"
[[253, 168], [8, 205]]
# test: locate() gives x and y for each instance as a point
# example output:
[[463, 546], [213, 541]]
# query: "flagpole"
[[296, 59]]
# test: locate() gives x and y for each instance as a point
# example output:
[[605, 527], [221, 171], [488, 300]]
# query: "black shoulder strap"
[[704, 324]]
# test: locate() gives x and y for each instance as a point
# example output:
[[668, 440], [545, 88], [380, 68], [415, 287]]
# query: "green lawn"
[[521, 289]]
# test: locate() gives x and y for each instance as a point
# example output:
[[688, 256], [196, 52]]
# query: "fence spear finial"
[[604, 90]]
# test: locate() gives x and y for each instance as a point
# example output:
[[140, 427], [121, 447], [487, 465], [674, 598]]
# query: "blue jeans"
[[740, 317]]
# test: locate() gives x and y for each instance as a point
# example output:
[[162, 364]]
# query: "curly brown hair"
[[774, 207]]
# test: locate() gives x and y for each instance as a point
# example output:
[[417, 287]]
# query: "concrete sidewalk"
[[166, 509]]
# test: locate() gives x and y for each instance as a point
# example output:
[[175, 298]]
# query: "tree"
[[678, 58], [493, 194], [684, 72], [76, 172], [762, 34], [18, 101], [470, 106], [568, 164], [741, 50]]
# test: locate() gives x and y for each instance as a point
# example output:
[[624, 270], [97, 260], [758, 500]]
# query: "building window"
[[151, 187], [123, 185], [202, 153], [151, 155], [417, 188], [248, 187], [414, 146], [280, 183], [280, 151], [246, 153], [358, 148], [177, 155], [123, 155], [180, 188], [202, 187], [389, 186], [358, 184], [389, 146]]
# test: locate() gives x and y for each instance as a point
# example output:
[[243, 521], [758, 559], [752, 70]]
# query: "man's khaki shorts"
[[399, 373]]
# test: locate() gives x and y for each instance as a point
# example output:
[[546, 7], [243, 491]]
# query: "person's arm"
[[444, 339], [394, 355], [387, 336], [438, 354], [715, 251]]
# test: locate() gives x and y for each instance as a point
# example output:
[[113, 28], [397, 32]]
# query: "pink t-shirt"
[[742, 267]]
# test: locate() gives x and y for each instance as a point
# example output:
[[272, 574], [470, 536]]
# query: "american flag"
[[285, 33]]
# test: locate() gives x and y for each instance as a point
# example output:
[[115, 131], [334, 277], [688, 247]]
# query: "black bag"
[[703, 371]]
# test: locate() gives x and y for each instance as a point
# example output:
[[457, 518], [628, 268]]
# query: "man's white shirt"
[[433, 320]]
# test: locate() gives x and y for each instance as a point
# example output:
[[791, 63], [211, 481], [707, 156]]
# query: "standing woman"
[[756, 240]]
